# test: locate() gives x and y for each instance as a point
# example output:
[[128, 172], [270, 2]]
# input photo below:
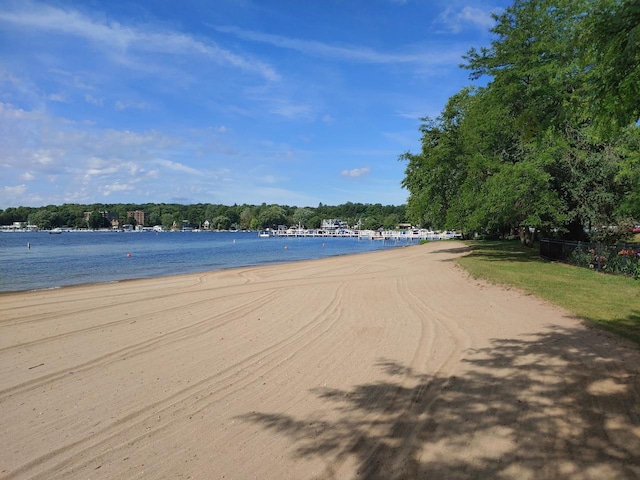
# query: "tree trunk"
[[527, 238]]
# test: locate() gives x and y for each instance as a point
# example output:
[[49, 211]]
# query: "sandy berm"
[[386, 365]]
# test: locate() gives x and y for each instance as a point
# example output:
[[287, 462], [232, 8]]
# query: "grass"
[[609, 302]]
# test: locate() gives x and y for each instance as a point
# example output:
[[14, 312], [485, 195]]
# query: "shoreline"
[[393, 365], [98, 258], [256, 265]]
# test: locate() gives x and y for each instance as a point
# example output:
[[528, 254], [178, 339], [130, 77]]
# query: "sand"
[[387, 365]]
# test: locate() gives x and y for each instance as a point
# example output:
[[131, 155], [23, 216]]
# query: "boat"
[[55, 231], [264, 234]]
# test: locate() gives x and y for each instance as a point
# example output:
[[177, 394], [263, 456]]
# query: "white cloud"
[[45, 156], [120, 105], [120, 40], [92, 100], [456, 20], [116, 187], [356, 172], [57, 97], [346, 53], [177, 166], [15, 191], [27, 176], [292, 111]]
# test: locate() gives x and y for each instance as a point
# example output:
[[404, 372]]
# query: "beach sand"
[[386, 365]]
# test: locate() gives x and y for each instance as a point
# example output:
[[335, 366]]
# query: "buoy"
[[324, 244], [128, 254], [286, 248]]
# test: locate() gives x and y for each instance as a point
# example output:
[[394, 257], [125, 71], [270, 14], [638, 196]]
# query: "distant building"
[[334, 224], [110, 216], [137, 215]]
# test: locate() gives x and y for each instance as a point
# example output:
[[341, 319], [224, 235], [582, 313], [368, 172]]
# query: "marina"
[[395, 235]]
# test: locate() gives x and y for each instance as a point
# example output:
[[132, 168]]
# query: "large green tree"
[[524, 152], [608, 39]]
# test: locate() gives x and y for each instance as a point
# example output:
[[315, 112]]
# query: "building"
[[105, 214], [334, 224], [137, 215]]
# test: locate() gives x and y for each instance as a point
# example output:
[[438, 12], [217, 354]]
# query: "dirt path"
[[391, 365]]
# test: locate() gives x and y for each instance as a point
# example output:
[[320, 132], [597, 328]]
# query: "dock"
[[373, 235]]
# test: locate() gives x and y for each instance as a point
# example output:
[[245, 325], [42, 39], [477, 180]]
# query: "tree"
[[221, 222], [96, 220], [301, 216], [246, 215], [272, 216], [609, 38], [42, 218], [523, 152], [391, 221], [167, 221]]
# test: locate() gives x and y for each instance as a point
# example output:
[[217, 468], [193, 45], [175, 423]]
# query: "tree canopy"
[[222, 217], [550, 143]]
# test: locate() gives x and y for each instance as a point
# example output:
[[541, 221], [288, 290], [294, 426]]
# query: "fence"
[[618, 259]]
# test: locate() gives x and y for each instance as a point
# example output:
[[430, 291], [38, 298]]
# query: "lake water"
[[74, 258]]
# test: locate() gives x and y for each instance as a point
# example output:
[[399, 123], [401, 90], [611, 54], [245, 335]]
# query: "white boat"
[[264, 234]]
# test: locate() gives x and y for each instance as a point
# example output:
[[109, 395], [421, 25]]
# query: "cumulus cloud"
[[356, 172], [27, 176]]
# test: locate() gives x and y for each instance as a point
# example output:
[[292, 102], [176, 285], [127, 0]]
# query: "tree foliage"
[[529, 151], [244, 216]]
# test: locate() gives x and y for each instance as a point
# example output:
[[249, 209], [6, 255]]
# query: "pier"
[[374, 235]]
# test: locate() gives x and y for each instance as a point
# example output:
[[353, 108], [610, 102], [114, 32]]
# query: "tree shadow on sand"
[[552, 405]]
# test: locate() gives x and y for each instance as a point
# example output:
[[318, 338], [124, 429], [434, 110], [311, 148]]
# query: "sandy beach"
[[387, 365]]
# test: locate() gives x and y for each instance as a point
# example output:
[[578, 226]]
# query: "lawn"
[[609, 302]]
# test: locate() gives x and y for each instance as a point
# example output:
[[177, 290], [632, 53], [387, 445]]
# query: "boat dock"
[[395, 235]]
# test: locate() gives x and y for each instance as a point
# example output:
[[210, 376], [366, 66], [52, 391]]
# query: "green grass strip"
[[609, 302]]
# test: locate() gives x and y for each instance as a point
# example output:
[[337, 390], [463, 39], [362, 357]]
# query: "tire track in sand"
[[188, 401]]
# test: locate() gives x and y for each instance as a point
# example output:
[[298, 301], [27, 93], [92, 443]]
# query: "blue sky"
[[290, 102]]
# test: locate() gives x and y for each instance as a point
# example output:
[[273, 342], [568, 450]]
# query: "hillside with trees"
[[551, 143], [220, 217]]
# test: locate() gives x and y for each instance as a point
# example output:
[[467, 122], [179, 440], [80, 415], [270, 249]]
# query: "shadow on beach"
[[550, 405]]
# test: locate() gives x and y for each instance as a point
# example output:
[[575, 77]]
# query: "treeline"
[[242, 217], [551, 143]]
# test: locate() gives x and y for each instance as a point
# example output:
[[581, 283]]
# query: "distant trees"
[[223, 217], [533, 150], [97, 220]]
